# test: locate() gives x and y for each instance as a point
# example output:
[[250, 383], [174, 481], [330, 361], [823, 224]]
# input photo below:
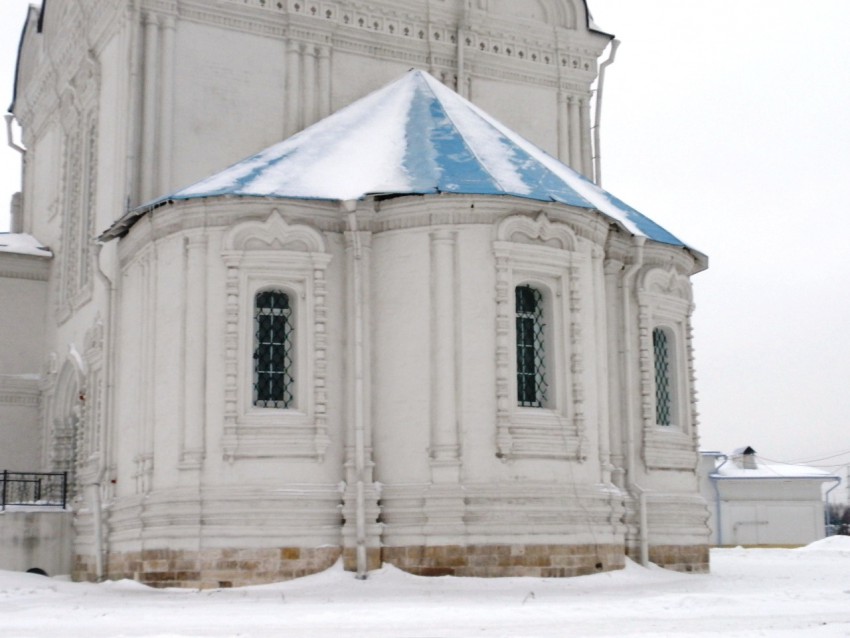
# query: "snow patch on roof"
[[22, 244], [772, 469], [414, 136]]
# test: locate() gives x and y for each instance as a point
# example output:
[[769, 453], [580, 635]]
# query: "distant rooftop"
[[22, 244]]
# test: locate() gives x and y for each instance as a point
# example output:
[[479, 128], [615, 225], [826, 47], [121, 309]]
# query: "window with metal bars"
[[663, 397], [274, 365], [530, 348]]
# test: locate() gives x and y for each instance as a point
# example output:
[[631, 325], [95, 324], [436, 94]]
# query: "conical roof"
[[414, 136]]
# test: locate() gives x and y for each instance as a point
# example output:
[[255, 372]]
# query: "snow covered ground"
[[757, 592]]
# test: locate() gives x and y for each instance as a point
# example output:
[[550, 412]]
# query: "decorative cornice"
[[20, 390], [21, 266]]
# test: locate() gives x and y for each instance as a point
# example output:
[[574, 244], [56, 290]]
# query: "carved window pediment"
[[276, 255], [539, 253]]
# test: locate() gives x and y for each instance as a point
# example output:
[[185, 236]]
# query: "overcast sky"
[[727, 122]]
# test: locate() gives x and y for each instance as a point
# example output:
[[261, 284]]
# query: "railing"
[[33, 489]]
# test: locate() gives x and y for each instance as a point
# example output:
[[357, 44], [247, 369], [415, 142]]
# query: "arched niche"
[[68, 413]]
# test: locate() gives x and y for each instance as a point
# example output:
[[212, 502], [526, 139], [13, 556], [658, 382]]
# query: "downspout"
[[643, 520], [97, 496], [359, 426], [16, 222], [10, 139], [634, 489], [718, 519], [837, 481], [597, 160]]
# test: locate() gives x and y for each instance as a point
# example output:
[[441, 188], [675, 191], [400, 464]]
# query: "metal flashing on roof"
[[414, 136]]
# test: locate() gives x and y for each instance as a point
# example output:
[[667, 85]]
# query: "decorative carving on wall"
[[539, 250], [89, 436], [276, 253], [68, 417], [79, 115], [665, 300]]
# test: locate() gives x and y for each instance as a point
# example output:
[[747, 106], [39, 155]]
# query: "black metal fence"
[[35, 489]]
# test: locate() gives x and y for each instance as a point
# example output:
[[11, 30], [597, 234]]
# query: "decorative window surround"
[[79, 120], [544, 255], [275, 255], [90, 436], [665, 302]]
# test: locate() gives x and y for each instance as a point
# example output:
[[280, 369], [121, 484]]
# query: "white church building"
[[414, 332]]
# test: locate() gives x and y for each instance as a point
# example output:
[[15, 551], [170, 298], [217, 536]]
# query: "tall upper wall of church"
[[184, 88], [229, 99]]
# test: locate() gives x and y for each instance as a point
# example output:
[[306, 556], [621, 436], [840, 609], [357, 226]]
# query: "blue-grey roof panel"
[[414, 136]]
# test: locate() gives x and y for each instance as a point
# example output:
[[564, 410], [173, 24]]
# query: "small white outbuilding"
[[759, 503]]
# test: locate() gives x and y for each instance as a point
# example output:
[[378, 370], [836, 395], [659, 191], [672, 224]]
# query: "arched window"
[[274, 364], [530, 348], [661, 345]]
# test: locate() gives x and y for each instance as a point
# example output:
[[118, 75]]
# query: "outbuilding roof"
[[414, 136], [23, 244]]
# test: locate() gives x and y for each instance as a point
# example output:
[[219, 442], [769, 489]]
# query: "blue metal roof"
[[412, 137]]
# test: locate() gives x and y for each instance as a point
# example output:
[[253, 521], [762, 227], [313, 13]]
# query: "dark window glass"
[[274, 380], [663, 403], [530, 348]]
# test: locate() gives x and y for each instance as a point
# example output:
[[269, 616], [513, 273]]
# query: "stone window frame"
[[79, 119], [264, 255], [542, 254], [665, 302]]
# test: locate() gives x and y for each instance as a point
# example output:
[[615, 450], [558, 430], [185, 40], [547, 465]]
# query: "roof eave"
[[24, 30]]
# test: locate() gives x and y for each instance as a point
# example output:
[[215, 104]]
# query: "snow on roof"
[[22, 244], [414, 136], [771, 469]]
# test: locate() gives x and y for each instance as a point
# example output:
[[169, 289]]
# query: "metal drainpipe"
[[597, 160], [97, 505], [10, 139], [17, 220], [713, 478], [643, 521], [635, 490], [359, 430], [837, 481]]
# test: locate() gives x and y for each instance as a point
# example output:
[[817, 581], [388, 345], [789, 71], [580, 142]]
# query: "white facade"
[[403, 441], [24, 269]]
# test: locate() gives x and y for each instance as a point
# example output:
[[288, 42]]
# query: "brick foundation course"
[[211, 568], [216, 568], [547, 561], [680, 558]]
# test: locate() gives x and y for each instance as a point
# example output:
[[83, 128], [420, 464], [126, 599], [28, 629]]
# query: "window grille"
[[274, 381], [663, 399], [530, 348]]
